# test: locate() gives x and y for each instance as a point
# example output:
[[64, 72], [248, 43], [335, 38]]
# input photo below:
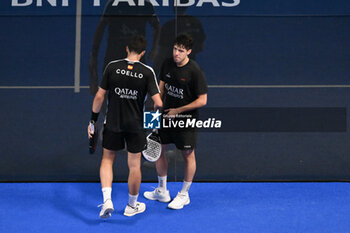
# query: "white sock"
[[162, 182], [133, 200], [106, 193], [185, 187]]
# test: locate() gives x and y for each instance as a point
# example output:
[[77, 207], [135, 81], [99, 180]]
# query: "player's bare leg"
[[106, 177], [162, 163], [183, 198], [134, 181], [190, 164], [106, 168]]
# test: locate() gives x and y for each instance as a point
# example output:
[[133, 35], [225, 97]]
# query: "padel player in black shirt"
[[183, 89], [127, 82], [122, 21], [182, 86]]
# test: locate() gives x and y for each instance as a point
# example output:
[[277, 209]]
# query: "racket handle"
[[92, 127], [155, 131], [93, 139]]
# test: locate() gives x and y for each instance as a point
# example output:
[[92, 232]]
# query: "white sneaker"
[[179, 201], [158, 194], [107, 209], [131, 211]]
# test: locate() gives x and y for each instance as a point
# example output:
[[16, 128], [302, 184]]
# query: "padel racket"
[[154, 147], [93, 140]]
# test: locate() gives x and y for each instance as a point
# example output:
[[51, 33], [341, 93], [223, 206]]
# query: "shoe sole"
[[156, 199], [130, 215], [107, 213], [160, 200], [175, 208]]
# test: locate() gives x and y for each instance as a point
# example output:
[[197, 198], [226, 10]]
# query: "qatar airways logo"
[[174, 91], [97, 3], [126, 93]]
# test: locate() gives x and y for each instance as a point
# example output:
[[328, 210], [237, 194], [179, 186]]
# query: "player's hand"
[[171, 112], [93, 75], [90, 130], [156, 107]]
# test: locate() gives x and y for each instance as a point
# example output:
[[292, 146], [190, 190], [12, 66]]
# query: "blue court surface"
[[214, 207]]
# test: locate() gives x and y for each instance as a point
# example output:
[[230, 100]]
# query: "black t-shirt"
[[182, 85], [127, 84]]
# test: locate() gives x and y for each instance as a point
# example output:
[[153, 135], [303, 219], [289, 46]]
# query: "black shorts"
[[135, 141], [183, 139]]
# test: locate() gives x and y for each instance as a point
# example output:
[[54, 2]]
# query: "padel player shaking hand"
[[183, 89], [127, 81]]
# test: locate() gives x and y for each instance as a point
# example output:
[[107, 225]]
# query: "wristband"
[[94, 116]]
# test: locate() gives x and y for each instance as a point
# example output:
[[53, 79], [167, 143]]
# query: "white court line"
[[278, 86], [77, 47], [210, 86]]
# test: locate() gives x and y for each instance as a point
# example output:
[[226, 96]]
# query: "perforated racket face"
[[154, 148], [154, 137]]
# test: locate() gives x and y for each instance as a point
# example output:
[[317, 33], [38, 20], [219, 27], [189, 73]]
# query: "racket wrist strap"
[[94, 116]]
